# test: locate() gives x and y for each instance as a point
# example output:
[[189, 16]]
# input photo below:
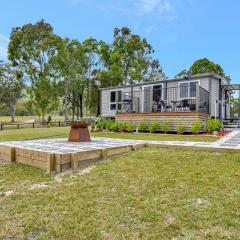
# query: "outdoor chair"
[[183, 105], [164, 106]]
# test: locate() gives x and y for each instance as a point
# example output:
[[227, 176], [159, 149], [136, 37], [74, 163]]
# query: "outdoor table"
[[79, 132], [174, 103]]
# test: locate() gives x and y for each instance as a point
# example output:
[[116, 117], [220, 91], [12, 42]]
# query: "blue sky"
[[181, 31]]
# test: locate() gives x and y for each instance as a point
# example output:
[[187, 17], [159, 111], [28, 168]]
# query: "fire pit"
[[79, 132]]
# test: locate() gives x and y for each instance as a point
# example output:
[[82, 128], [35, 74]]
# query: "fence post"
[[33, 125], [59, 124], [1, 127], [18, 126]]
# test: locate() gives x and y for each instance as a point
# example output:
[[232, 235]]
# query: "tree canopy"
[[11, 86], [32, 48], [203, 65], [128, 59]]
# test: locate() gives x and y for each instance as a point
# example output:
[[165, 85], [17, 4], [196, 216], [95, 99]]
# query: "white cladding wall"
[[105, 100], [214, 95], [210, 84]]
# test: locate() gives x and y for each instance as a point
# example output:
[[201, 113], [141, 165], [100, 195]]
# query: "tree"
[[182, 74], [92, 49], [32, 48], [11, 86], [71, 63], [203, 65], [206, 66], [128, 59]]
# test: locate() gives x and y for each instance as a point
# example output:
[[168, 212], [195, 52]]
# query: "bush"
[[154, 127], [180, 128], [104, 124], [93, 125], [109, 125], [122, 126], [143, 127], [196, 127], [99, 126], [131, 127], [115, 127], [213, 125], [164, 126]]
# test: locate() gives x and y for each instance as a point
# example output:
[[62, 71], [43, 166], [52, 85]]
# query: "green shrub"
[[122, 126], [143, 127], [104, 124], [93, 125], [154, 127], [99, 125], [196, 127], [181, 128], [213, 125], [164, 126], [109, 125], [131, 127], [115, 127]]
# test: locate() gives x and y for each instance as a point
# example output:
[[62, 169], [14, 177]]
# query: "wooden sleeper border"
[[60, 162]]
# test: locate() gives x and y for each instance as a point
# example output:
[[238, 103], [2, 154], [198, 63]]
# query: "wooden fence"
[[8, 126]]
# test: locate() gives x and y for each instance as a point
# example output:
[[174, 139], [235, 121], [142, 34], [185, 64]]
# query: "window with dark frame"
[[116, 100]]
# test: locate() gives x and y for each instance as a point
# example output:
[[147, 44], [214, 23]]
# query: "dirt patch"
[[7, 193], [38, 186], [202, 202], [169, 219]]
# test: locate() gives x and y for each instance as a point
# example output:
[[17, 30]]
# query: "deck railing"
[[175, 99]]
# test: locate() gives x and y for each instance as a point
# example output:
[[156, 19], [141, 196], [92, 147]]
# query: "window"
[[116, 100], [183, 90], [157, 93], [188, 89], [192, 89]]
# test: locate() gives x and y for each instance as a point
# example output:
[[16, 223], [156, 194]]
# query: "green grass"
[[147, 194], [30, 133], [158, 136]]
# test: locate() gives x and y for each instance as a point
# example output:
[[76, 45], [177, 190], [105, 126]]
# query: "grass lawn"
[[147, 194], [23, 134], [27, 118]]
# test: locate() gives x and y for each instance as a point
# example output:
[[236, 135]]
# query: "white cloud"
[[158, 7], [148, 6]]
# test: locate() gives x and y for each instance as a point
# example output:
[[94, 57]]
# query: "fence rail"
[[10, 126]]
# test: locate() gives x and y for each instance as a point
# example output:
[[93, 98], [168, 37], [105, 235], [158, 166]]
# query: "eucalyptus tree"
[[129, 59], [94, 66], [71, 65], [32, 48], [11, 87]]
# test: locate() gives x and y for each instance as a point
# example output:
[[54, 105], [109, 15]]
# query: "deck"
[[174, 118]]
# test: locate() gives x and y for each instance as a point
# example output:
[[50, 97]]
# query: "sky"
[[180, 31]]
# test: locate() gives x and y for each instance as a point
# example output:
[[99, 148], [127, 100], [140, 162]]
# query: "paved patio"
[[60, 155], [62, 146]]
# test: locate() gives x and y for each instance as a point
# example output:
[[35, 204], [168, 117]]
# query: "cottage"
[[180, 99]]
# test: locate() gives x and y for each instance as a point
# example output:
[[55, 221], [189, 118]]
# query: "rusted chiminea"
[[79, 132]]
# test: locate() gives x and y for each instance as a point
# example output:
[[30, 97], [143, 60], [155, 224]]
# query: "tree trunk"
[[78, 110], [81, 105], [98, 106], [65, 99], [13, 112]]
